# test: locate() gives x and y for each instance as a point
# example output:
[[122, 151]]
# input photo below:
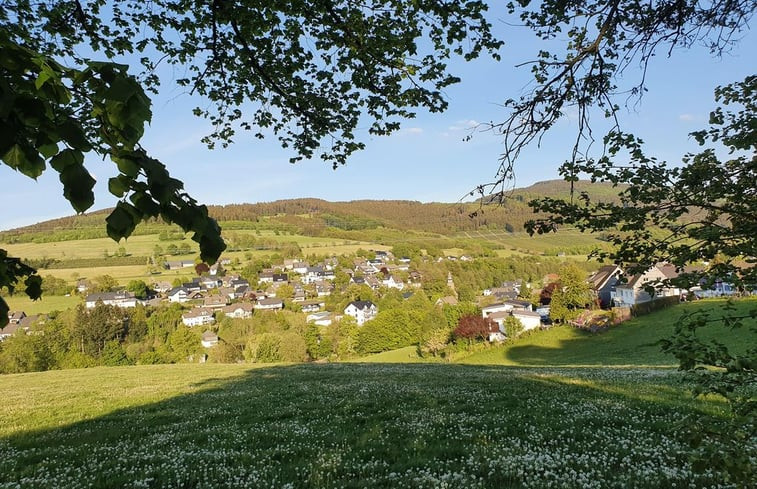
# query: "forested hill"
[[315, 216]]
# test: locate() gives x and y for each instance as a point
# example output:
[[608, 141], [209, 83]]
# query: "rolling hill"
[[316, 217]]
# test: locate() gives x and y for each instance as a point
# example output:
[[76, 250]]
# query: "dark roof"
[[668, 269], [362, 304], [109, 296], [601, 276]]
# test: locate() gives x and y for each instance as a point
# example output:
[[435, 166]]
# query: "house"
[[635, 291], [372, 282], [300, 267], [358, 280], [313, 274], [82, 286], [241, 310], [324, 318], [299, 296], [161, 287], [209, 339], [265, 277], [312, 306], [179, 264], [272, 304], [491, 309], [16, 317], [362, 311], [499, 318], [280, 278], [210, 282], [23, 324], [449, 300], [516, 304], [119, 299], [393, 283], [215, 302], [178, 294], [529, 319], [502, 293], [237, 282], [603, 283], [197, 316], [323, 288]]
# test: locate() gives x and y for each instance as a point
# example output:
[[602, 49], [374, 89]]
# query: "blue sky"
[[426, 161]]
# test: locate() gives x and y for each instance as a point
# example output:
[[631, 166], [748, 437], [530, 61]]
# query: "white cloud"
[[463, 125], [413, 130], [688, 118]]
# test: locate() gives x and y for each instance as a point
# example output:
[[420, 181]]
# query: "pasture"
[[348, 425]]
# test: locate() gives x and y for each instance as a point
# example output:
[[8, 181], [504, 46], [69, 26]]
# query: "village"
[[305, 288]]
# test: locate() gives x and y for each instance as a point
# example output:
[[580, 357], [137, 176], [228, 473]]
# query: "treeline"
[[314, 216]]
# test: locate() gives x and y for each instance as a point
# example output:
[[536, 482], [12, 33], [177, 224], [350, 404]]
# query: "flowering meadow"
[[349, 426]]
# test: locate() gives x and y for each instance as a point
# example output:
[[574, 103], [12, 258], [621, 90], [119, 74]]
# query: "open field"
[[348, 425], [48, 303], [568, 241], [143, 245]]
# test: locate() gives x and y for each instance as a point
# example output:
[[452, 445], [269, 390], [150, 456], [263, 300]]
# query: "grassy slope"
[[346, 425], [632, 343], [21, 302]]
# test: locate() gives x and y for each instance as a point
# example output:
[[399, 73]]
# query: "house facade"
[[635, 291], [362, 311], [118, 299], [198, 317]]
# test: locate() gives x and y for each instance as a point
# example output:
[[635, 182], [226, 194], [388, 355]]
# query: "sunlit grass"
[[347, 425], [48, 303]]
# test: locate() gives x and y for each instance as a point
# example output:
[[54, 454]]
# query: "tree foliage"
[[589, 74], [308, 72], [474, 327], [571, 296]]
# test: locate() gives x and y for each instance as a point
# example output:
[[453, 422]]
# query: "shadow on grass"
[[350, 425], [589, 350]]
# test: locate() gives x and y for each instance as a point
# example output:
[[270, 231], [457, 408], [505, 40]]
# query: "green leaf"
[[4, 310], [33, 286], [145, 204], [74, 135], [127, 166], [25, 160], [119, 185], [122, 221], [15, 157], [122, 89], [66, 158], [44, 75], [48, 150], [77, 187]]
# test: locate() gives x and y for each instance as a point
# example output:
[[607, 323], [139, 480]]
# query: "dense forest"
[[315, 217]]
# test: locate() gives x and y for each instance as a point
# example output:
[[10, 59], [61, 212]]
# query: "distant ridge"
[[312, 216]]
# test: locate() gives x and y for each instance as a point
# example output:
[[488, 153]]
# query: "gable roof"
[[360, 305], [600, 278]]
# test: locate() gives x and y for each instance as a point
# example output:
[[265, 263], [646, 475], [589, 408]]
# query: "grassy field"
[[569, 241], [347, 425], [633, 343], [144, 245], [21, 302]]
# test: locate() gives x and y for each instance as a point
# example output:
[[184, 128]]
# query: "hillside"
[[315, 217], [635, 342], [348, 425]]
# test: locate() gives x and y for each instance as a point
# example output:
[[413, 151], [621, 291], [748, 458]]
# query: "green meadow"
[[556, 409], [348, 425]]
